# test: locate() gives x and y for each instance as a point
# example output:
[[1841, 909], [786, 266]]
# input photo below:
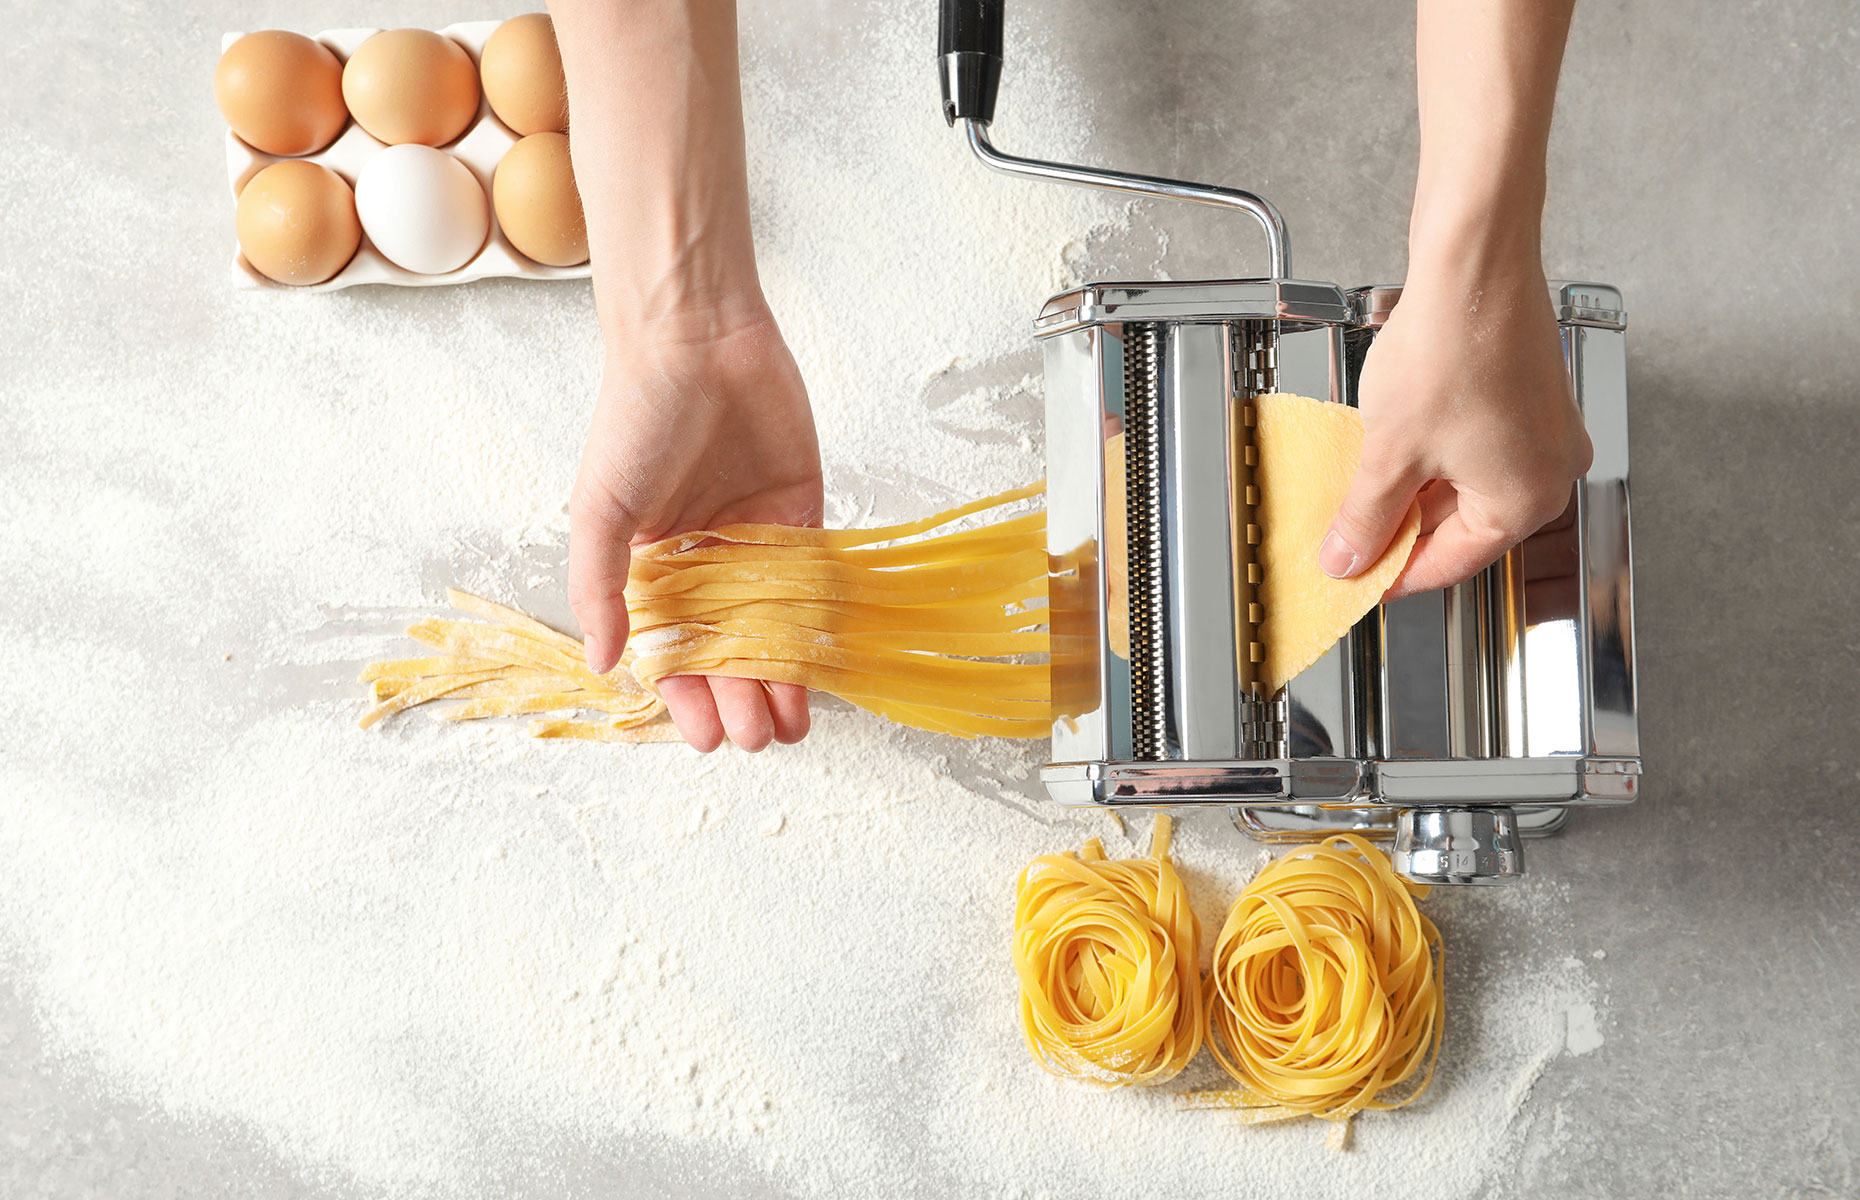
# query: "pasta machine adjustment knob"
[[1458, 845]]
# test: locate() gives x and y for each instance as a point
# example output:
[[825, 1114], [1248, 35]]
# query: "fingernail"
[[1335, 557], [591, 650]]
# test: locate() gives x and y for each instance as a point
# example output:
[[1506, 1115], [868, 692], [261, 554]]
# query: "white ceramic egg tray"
[[479, 148]]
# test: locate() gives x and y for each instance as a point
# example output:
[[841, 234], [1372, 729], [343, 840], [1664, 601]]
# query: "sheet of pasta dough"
[[1308, 454]]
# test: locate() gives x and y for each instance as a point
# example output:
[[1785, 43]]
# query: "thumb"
[[1372, 511], [600, 532]]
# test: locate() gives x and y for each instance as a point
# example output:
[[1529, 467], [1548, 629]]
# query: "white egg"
[[422, 208]]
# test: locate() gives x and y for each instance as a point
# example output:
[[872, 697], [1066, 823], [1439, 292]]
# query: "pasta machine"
[[1454, 723]]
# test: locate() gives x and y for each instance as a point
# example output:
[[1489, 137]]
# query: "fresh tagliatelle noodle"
[[941, 630], [1326, 996], [506, 665], [929, 631], [1107, 956]]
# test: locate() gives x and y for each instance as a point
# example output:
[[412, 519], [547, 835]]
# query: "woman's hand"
[[1464, 395], [691, 433], [702, 418], [1465, 400]]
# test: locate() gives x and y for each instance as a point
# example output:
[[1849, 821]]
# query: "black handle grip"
[[968, 48], [970, 26]]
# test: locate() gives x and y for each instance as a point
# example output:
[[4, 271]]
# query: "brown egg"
[[534, 194], [281, 92], [411, 85], [296, 222], [522, 72]]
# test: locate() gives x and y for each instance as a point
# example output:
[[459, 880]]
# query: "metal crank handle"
[[969, 41]]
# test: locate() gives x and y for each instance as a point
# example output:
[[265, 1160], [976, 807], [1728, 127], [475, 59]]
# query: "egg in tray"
[[404, 156]]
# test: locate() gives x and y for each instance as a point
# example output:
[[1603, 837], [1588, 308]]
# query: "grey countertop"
[[1707, 161]]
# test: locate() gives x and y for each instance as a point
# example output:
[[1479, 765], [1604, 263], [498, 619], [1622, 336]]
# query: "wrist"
[[678, 310], [1490, 241], [703, 337], [1479, 199]]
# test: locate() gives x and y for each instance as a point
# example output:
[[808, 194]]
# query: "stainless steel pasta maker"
[[1455, 723]]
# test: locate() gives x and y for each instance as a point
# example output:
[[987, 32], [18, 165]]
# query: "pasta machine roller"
[[1455, 723]]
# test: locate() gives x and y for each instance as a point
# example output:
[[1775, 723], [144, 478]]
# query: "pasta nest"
[[1326, 994], [1107, 954]]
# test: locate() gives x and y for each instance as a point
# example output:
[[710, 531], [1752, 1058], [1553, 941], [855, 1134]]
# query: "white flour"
[[430, 960]]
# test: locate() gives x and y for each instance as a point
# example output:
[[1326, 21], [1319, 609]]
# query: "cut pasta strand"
[[1326, 995], [925, 631], [601, 731], [841, 539], [509, 665], [1106, 952], [942, 632]]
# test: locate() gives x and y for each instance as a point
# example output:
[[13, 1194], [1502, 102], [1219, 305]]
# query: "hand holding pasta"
[[933, 627], [691, 431]]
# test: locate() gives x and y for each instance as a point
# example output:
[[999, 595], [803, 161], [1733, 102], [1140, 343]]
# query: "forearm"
[[1466, 405], [656, 135], [1487, 73]]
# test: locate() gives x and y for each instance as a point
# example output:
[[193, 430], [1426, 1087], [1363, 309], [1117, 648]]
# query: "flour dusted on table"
[[445, 961]]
